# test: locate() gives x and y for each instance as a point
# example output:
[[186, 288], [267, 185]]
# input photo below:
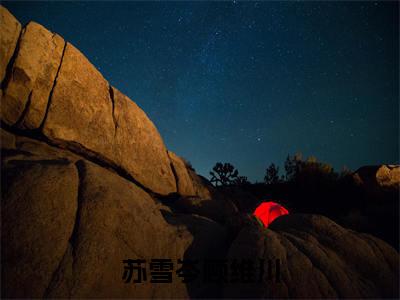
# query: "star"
[[226, 73]]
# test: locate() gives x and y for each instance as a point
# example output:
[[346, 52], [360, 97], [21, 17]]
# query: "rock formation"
[[87, 182], [54, 89], [10, 31], [378, 179], [318, 259]]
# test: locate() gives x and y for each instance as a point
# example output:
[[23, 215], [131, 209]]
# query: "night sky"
[[248, 82]]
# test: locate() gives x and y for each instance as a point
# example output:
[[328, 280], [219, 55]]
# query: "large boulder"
[[184, 182], [378, 179], [318, 259], [378, 209], [52, 86], [39, 204], [67, 229], [33, 73], [211, 242], [116, 220], [106, 125], [10, 31], [68, 224], [139, 148], [80, 109], [202, 187], [388, 176]]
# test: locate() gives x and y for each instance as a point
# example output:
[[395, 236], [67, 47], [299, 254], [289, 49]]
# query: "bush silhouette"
[[241, 181], [299, 170]]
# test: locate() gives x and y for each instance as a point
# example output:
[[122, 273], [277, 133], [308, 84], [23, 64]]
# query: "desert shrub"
[[241, 181], [309, 170]]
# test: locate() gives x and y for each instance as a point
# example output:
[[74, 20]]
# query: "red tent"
[[269, 211]]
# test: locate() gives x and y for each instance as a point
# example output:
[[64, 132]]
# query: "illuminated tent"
[[266, 212]]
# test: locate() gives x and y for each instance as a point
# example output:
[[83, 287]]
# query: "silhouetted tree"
[[224, 174], [241, 180], [292, 165], [272, 174]]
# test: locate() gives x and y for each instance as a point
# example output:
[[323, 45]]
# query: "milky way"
[[248, 82]]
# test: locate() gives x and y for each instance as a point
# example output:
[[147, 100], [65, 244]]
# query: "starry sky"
[[248, 82]]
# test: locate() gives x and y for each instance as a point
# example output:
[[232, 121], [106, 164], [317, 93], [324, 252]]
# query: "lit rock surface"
[[202, 187], [184, 181], [33, 72], [139, 148], [54, 88], [80, 109], [10, 30]]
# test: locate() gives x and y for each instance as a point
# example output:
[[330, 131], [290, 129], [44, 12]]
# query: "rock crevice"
[[52, 89], [113, 109]]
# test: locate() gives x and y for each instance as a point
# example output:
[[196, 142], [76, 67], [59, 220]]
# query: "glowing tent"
[[269, 211]]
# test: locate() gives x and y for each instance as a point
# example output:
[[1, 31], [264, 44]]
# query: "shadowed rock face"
[[35, 228], [111, 226], [68, 224], [318, 259], [88, 182]]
